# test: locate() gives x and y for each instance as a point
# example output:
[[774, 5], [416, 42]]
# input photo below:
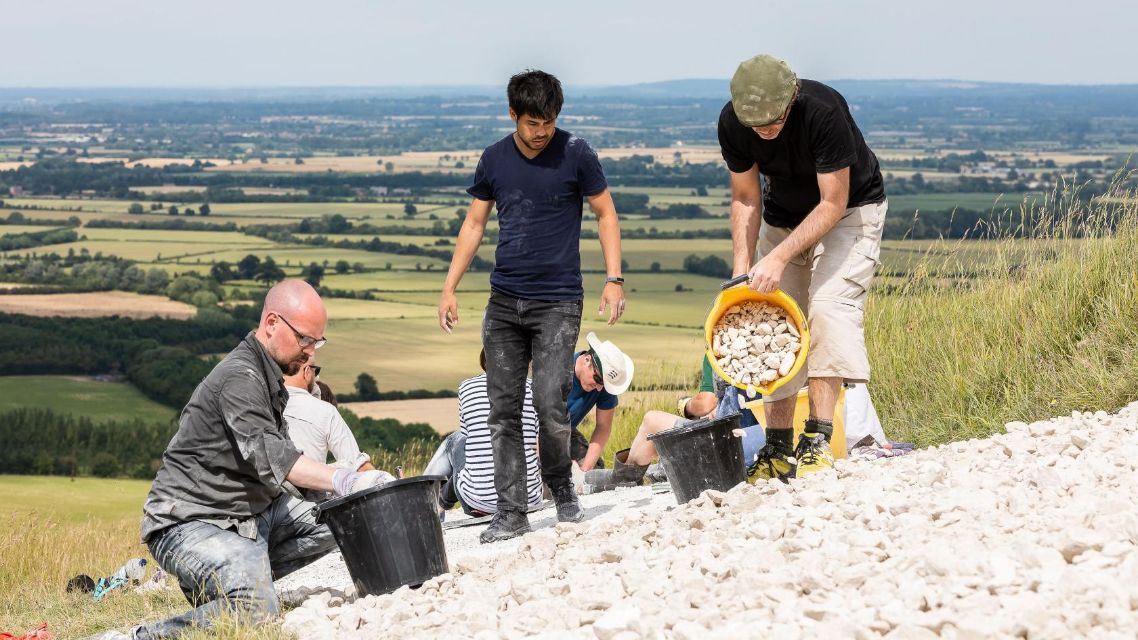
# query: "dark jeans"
[[449, 460], [516, 332], [222, 571]]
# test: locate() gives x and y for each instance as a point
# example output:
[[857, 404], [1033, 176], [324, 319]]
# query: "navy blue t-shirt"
[[581, 403], [539, 214]]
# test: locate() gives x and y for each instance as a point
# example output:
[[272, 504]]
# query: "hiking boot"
[[505, 525], [773, 461], [568, 508], [622, 474], [813, 451]]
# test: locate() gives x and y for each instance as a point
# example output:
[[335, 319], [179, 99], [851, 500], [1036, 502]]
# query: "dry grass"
[[59, 529], [93, 305], [1048, 330]]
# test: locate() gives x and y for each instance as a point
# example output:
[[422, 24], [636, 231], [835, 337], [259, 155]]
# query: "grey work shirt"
[[231, 454]]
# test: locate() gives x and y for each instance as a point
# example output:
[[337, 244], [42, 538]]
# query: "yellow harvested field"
[[667, 155], [96, 304], [440, 413]]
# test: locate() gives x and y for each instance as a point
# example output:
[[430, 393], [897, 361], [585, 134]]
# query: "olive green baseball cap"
[[760, 90]]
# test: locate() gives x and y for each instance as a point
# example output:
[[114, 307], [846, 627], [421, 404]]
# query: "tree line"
[[30, 240], [43, 442], [161, 357]]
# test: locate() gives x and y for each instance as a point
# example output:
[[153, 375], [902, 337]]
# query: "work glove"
[[346, 481]]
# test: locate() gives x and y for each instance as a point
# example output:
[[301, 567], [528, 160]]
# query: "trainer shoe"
[[568, 507], [772, 462], [813, 451], [505, 525]]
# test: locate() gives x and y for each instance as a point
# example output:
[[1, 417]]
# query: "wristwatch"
[[615, 279]]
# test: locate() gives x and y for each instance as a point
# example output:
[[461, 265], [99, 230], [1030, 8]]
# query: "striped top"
[[475, 483]]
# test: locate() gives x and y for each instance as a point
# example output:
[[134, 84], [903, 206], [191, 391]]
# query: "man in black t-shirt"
[[817, 220], [538, 177]]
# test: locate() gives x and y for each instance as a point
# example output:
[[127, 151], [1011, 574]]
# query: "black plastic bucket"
[[391, 535], [700, 455]]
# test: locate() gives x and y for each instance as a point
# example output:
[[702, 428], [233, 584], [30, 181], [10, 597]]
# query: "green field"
[[79, 501], [81, 397], [906, 204]]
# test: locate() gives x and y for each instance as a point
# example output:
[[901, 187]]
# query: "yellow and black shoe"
[[773, 461], [813, 452]]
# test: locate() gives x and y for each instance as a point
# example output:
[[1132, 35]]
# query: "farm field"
[[901, 204], [17, 229], [92, 305], [440, 413], [81, 397], [413, 353], [391, 213]]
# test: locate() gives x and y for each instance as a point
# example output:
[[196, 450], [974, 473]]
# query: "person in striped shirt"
[[466, 457]]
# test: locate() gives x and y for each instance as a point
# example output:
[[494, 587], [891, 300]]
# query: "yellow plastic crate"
[[802, 412]]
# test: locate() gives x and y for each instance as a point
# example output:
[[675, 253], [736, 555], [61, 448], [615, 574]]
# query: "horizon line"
[[428, 86]]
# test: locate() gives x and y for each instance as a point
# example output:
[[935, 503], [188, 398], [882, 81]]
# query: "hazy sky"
[[413, 42]]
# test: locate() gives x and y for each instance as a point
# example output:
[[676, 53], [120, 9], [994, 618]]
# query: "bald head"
[[292, 297], [293, 318]]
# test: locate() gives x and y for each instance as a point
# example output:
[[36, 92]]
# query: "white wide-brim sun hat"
[[616, 368]]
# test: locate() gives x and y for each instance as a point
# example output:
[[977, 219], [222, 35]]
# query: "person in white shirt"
[[316, 427]]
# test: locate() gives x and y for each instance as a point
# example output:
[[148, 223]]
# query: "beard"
[[292, 367]]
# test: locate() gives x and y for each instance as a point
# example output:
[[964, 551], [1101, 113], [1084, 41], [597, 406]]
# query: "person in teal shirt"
[[601, 373]]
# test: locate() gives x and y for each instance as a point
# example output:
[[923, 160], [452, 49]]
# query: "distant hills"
[[694, 88]]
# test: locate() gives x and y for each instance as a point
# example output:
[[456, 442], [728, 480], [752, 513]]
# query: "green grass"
[[81, 397]]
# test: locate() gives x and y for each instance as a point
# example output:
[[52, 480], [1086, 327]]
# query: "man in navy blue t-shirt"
[[538, 177]]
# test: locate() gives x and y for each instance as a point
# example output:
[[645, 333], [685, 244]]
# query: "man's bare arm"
[[746, 215], [835, 189], [469, 239], [609, 231]]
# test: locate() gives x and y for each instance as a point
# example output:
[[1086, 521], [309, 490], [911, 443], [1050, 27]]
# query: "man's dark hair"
[[326, 394], [535, 93]]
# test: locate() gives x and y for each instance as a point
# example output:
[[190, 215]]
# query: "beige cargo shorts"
[[830, 282]]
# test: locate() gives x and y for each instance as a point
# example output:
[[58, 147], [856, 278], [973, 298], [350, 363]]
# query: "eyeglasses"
[[597, 378], [303, 340], [315, 369]]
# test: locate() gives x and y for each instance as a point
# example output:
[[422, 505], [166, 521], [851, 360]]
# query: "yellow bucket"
[[802, 412], [735, 295]]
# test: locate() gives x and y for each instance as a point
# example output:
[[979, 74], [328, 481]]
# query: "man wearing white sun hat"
[[601, 373]]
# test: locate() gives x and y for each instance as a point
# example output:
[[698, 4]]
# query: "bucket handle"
[[727, 284]]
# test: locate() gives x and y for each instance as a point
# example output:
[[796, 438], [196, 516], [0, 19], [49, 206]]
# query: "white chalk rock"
[[616, 620], [786, 365]]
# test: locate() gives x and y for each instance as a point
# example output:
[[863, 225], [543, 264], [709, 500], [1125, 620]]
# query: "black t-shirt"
[[819, 137], [539, 214]]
